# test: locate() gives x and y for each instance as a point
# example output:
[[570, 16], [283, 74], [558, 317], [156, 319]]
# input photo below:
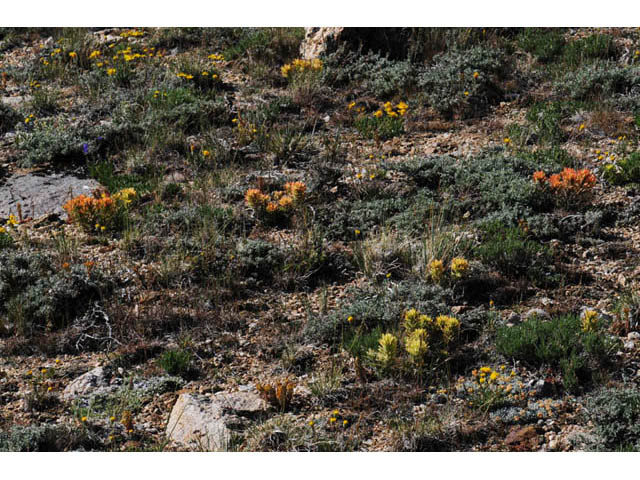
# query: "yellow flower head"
[[73, 54], [416, 344], [590, 321], [459, 267], [436, 270], [378, 114]]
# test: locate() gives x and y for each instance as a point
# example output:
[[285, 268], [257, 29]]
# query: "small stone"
[[514, 318], [536, 312], [633, 336], [93, 382], [458, 309]]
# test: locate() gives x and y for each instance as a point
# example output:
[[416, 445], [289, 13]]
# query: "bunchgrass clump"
[[562, 343]]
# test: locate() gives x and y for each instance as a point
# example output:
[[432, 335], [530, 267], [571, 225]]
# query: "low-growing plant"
[[571, 188], [426, 341], [623, 170], [36, 295], [463, 82], [593, 47], [278, 393], [509, 249], [604, 81], [546, 44], [176, 361], [561, 343], [383, 124], [615, 413], [375, 74], [278, 205], [102, 212]]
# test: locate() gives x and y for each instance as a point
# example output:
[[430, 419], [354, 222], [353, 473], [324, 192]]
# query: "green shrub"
[[509, 249], [545, 44], [616, 415], [374, 74], [374, 311], [624, 170], [382, 128], [593, 47], [545, 122], [560, 343], [62, 141], [176, 362], [260, 261], [46, 438], [268, 45], [35, 295], [600, 80], [345, 218], [104, 173], [452, 87]]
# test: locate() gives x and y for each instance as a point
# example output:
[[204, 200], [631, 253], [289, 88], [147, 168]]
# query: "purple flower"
[[85, 148]]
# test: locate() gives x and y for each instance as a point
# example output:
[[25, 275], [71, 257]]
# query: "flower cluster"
[[277, 203], [300, 67], [572, 187], [386, 122], [590, 321], [387, 350], [459, 269], [131, 33], [424, 338], [279, 394], [100, 212], [399, 110]]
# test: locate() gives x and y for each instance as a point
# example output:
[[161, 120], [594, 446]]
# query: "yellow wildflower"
[[436, 270], [459, 267]]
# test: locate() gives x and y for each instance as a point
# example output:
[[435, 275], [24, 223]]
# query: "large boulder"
[[94, 382], [325, 40], [205, 422], [40, 194]]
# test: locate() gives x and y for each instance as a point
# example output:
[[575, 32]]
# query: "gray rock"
[[94, 382], [15, 101], [633, 336], [205, 422], [536, 312], [41, 195], [629, 345], [514, 318]]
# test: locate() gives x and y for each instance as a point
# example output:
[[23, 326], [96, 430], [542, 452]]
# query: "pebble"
[[536, 312]]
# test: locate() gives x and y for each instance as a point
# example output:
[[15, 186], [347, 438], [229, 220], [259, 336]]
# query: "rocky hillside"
[[402, 240]]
